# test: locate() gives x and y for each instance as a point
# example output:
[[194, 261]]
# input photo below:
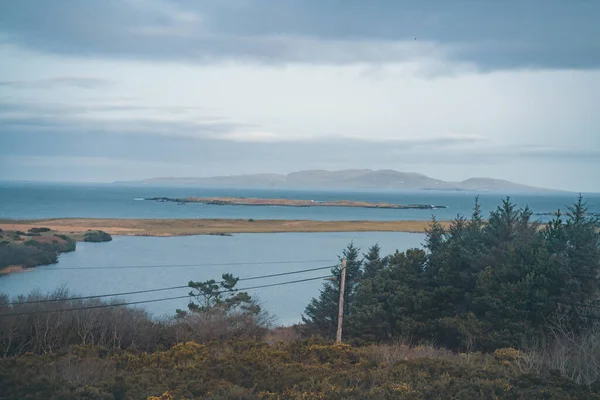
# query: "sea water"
[[22, 200]]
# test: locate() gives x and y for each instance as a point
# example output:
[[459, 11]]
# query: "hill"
[[346, 179]]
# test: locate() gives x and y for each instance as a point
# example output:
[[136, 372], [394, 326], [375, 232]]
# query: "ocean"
[[140, 263], [23, 200]]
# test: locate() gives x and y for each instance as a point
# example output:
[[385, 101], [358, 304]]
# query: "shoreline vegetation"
[[24, 248], [186, 227], [243, 201]]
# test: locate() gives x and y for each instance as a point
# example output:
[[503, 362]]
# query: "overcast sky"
[[104, 90]]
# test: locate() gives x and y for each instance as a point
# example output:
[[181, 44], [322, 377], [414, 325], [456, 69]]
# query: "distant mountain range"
[[346, 179]]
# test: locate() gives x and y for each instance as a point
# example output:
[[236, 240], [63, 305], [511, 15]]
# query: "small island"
[[20, 250], [241, 201]]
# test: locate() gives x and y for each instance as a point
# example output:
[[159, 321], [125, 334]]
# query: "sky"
[[105, 90]]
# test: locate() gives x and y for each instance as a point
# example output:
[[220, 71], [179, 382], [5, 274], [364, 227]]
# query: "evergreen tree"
[[582, 250], [320, 315], [482, 285], [373, 261], [386, 304], [434, 236]]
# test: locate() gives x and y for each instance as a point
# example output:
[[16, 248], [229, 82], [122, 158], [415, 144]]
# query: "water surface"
[[130, 261], [22, 200]]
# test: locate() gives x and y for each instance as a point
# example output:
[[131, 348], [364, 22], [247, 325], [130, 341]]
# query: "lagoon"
[[141, 263]]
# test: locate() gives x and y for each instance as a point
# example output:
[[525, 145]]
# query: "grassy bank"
[[182, 227]]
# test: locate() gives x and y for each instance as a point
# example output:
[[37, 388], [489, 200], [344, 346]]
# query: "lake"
[[127, 264]]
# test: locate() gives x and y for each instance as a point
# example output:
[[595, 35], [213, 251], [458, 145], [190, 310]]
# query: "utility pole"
[[338, 338]]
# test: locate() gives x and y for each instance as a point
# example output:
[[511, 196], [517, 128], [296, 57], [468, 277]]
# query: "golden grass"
[[183, 227]]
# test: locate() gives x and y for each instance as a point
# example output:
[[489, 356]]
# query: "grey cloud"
[[491, 35], [559, 153], [21, 118], [72, 81]]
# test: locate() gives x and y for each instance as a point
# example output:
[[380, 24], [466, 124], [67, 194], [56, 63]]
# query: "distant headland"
[[239, 201], [360, 179]]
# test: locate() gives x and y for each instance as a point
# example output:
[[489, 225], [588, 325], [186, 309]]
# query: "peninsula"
[[39, 245], [242, 201]]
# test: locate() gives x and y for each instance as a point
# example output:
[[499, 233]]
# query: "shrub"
[[97, 237], [39, 230]]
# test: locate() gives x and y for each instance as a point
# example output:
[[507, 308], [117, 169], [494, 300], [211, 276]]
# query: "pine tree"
[[213, 297]]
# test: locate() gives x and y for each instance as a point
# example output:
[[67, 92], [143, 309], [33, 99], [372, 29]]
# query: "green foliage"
[[96, 237], [243, 369], [219, 298], [320, 315], [483, 284], [33, 252], [39, 230]]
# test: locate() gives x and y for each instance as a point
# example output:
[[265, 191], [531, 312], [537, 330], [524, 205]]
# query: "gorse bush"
[[249, 369]]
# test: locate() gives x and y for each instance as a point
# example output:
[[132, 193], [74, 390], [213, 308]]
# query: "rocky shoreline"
[[239, 201]]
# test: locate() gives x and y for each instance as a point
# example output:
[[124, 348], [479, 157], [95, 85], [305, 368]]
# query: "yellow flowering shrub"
[[164, 396], [507, 354]]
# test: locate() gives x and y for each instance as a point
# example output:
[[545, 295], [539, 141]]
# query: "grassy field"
[[182, 227]]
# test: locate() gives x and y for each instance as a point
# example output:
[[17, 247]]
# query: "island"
[[242, 201], [23, 248]]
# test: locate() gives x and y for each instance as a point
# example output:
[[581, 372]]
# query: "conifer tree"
[[320, 315]]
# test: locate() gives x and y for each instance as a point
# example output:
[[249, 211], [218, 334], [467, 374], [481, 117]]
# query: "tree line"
[[481, 284]]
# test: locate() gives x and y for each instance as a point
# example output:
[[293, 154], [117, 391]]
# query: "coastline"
[[186, 227]]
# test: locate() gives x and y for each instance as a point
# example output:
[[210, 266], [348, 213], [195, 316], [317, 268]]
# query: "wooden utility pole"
[[338, 337]]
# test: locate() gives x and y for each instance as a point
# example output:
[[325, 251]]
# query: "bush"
[[97, 237], [35, 252], [249, 369], [39, 230]]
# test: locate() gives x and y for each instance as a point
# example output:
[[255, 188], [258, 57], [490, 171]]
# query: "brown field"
[[183, 227]]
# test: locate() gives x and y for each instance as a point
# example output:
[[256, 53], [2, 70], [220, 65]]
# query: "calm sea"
[[45, 200], [139, 263]]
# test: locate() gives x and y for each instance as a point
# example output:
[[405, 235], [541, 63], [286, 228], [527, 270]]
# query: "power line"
[[158, 289], [155, 300], [197, 265]]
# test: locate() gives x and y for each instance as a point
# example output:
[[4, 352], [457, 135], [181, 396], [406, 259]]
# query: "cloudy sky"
[[103, 90]]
